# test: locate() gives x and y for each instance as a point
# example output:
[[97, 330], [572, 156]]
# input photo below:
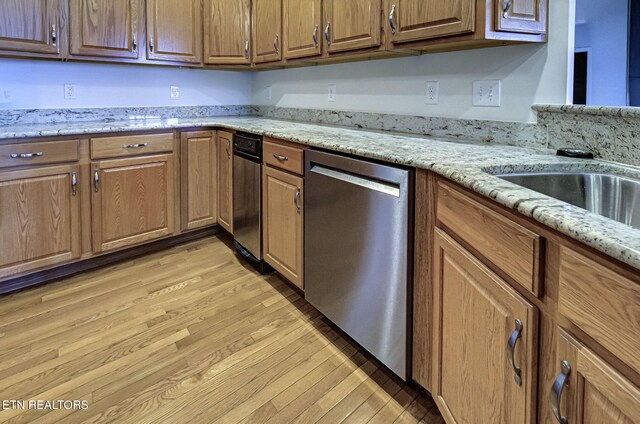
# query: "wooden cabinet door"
[[199, 180], [283, 213], [302, 28], [528, 16], [267, 30], [227, 32], [590, 391], [414, 20], [32, 25], [133, 201], [106, 28], [225, 180], [39, 218], [174, 30], [475, 321], [351, 25]]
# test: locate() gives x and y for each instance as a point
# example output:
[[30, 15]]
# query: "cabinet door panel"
[[31, 25], [302, 23], [225, 180], [199, 182], [475, 316], [39, 219], [354, 24], [227, 31], [174, 30], [528, 16], [108, 28], [422, 19], [267, 30]]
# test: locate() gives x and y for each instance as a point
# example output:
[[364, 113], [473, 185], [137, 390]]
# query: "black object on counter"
[[575, 153]]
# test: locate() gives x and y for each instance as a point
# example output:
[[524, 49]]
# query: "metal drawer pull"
[[96, 180], [246, 49], [151, 44], [556, 392], [511, 347], [54, 35], [296, 200], [135, 146], [134, 43], [315, 36], [74, 183], [507, 7], [26, 155], [228, 149], [276, 44], [327, 33], [281, 158], [392, 20]]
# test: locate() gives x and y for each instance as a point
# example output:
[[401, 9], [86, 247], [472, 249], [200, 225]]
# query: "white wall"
[[529, 73], [39, 84]]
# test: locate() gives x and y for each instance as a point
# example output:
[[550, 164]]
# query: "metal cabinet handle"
[[135, 146], [25, 155], [276, 44], [54, 35], [506, 8], [511, 347], [96, 180], [281, 158], [151, 44], [296, 200], [327, 33], [228, 149], [556, 392], [74, 183], [392, 20], [315, 36], [246, 49], [134, 42]]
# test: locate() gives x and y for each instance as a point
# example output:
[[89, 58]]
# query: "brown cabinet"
[[107, 28], [225, 180], [36, 26], [302, 23], [227, 32], [527, 16], [174, 30], [132, 202], [351, 25], [39, 218], [199, 180], [485, 341], [267, 30]]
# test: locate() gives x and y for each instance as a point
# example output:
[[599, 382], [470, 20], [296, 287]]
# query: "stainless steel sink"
[[613, 196]]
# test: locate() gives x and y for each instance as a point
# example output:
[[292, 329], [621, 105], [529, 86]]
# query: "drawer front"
[[115, 147], [25, 154], [284, 156], [603, 303], [511, 247]]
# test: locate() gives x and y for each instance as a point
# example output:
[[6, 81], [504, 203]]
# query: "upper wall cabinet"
[[267, 30], [528, 16], [351, 25], [227, 32], [302, 22], [106, 28], [36, 26], [174, 30]]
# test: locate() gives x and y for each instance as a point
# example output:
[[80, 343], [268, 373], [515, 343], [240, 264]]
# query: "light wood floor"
[[189, 335]]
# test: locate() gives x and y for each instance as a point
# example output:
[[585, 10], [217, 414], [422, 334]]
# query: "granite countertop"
[[469, 164]]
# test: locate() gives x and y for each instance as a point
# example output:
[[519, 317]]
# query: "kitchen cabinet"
[[485, 341], [132, 201], [107, 28], [199, 180], [526, 16], [351, 25], [267, 30], [36, 26], [302, 22], [39, 218], [174, 30], [225, 180], [227, 32]]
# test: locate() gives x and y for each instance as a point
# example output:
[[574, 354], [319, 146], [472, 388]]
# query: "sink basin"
[[609, 195]]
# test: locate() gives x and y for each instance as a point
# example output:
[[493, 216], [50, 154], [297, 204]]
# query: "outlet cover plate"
[[487, 93], [269, 93], [5, 96], [175, 92], [331, 93], [69, 91], [432, 93]]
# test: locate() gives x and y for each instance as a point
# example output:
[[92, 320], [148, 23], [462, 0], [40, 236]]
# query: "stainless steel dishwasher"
[[358, 216]]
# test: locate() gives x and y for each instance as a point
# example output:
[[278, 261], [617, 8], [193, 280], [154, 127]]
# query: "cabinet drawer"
[[284, 156], [511, 247], [113, 147], [603, 303], [38, 153]]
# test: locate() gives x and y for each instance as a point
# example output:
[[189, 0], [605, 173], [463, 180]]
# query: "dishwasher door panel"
[[246, 204]]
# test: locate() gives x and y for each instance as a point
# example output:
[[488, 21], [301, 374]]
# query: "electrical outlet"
[[69, 91], [432, 93], [331, 94], [269, 93], [487, 93], [5, 96], [175, 92]]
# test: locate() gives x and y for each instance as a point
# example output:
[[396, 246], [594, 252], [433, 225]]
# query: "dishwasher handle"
[[356, 179]]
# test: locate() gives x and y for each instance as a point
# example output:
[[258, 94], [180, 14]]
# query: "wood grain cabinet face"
[[225, 180], [283, 213], [174, 30], [39, 218], [133, 201], [351, 25], [227, 32], [199, 180], [475, 315], [527, 16], [302, 28], [106, 28], [416, 20], [36, 26], [267, 30]]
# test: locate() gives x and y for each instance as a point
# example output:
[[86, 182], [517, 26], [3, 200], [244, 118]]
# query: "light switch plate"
[[432, 92], [487, 93], [331, 94], [5, 96], [69, 91], [175, 92], [269, 93]]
